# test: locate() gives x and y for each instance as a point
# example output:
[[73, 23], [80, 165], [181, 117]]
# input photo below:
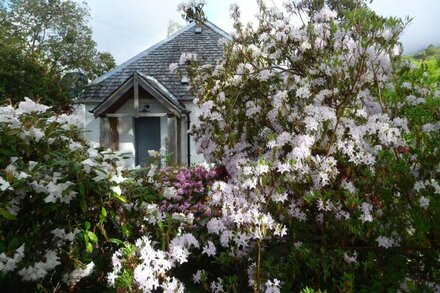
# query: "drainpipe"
[[188, 150]]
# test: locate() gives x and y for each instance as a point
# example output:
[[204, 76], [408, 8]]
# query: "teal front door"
[[147, 137]]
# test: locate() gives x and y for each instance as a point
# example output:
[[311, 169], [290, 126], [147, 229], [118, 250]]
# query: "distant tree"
[[22, 75], [42, 41], [431, 51], [173, 27], [57, 32], [338, 6], [100, 64]]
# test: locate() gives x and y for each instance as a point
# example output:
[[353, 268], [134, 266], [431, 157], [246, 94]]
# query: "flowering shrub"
[[164, 224], [331, 144], [55, 192], [332, 177], [187, 188], [71, 217]]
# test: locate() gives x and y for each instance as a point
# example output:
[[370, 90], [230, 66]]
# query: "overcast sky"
[[127, 27]]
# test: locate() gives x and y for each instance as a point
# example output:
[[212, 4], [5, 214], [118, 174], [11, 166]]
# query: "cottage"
[[140, 105]]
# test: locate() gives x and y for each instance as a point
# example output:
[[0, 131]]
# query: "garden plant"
[[324, 173]]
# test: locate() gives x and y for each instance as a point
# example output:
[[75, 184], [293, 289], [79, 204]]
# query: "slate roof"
[[155, 62]]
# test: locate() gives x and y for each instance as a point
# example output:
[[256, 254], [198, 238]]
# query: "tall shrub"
[[331, 142], [57, 195]]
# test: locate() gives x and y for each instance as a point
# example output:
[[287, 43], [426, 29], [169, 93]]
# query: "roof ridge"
[[140, 55], [217, 29]]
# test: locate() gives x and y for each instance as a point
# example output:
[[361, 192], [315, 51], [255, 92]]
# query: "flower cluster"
[[151, 265], [185, 189]]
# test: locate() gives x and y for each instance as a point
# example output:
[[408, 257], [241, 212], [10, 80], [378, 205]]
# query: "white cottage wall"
[[126, 138], [90, 123]]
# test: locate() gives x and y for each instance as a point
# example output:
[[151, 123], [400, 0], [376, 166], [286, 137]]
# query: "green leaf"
[[125, 231], [7, 215], [103, 215], [120, 198], [89, 247], [15, 243], [309, 197], [83, 205], [92, 236], [8, 152], [82, 190], [116, 241], [87, 225], [103, 212], [77, 167]]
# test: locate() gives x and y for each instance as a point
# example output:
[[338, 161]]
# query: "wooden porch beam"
[[155, 94], [108, 102], [136, 94], [131, 115]]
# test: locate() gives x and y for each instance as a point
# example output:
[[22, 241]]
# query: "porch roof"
[[148, 83]]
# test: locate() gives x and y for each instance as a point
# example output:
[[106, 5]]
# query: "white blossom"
[[9, 264], [366, 210], [209, 249], [387, 242], [198, 276], [173, 67], [272, 286], [424, 202], [187, 57], [4, 184], [350, 258], [217, 286], [39, 270], [29, 106], [77, 274]]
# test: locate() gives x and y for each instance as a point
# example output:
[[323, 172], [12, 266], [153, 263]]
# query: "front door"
[[147, 137]]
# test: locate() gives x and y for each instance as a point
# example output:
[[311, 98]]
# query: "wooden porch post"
[[179, 140], [109, 133], [104, 132], [173, 146]]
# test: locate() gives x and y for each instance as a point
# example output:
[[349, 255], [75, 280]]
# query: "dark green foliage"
[[41, 41], [21, 75]]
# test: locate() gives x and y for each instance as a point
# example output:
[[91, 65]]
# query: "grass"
[[430, 59]]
